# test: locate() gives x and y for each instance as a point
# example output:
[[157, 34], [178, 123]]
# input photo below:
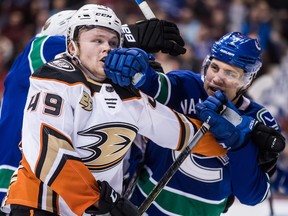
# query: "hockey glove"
[[231, 130], [122, 64], [270, 143], [268, 139], [111, 202], [155, 65], [154, 35]]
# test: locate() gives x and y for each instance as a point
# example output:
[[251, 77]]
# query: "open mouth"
[[103, 59], [214, 89]]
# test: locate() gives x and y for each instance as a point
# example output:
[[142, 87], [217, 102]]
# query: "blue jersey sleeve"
[[151, 84], [249, 183], [180, 90], [37, 52]]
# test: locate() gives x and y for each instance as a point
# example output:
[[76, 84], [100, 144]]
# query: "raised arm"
[[250, 182]]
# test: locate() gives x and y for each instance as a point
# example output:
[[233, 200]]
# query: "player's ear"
[[72, 48]]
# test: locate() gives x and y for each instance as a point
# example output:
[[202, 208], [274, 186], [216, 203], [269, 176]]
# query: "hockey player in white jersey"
[[78, 126], [45, 47]]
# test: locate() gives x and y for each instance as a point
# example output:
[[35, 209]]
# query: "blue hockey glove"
[[123, 64], [230, 129]]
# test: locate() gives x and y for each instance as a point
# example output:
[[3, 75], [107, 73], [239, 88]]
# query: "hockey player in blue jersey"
[[206, 186], [45, 47]]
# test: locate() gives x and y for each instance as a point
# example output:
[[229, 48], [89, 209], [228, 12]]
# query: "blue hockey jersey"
[[39, 51], [202, 184]]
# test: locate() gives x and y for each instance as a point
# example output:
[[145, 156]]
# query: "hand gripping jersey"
[[77, 131], [39, 51], [202, 184]]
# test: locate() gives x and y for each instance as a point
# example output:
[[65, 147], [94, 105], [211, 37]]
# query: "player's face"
[[94, 46], [225, 77]]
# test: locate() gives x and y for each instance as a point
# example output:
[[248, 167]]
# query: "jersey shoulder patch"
[[61, 70], [265, 117], [62, 64]]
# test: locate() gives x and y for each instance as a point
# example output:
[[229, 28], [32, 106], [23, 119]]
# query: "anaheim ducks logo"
[[114, 140]]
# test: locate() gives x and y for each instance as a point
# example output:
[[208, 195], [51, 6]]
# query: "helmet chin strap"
[[241, 91], [245, 87]]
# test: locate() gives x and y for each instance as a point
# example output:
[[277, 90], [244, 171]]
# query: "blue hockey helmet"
[[239, 50]]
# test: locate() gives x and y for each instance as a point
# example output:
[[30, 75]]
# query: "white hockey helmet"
[[57, 24], [93, 15]]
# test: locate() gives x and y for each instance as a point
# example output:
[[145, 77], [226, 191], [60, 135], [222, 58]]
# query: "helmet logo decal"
[[227, 52], [46, 25], [103, 15]]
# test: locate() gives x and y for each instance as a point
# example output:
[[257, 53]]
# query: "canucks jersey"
[[202, 184], [77, 131], [37, 52]]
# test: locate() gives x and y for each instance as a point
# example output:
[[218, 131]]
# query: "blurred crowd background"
[[201, 22]]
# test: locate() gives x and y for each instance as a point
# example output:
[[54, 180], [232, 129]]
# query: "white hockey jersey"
[[77, 131]]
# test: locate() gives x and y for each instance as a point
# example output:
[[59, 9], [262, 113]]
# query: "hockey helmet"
[[93, 15], [57, 24], [238, 50]]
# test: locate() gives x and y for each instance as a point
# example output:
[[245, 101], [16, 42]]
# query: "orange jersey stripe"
[[28, 190], [207, 145]]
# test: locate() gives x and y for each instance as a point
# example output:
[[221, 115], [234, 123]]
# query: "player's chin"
[[101, 74]]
